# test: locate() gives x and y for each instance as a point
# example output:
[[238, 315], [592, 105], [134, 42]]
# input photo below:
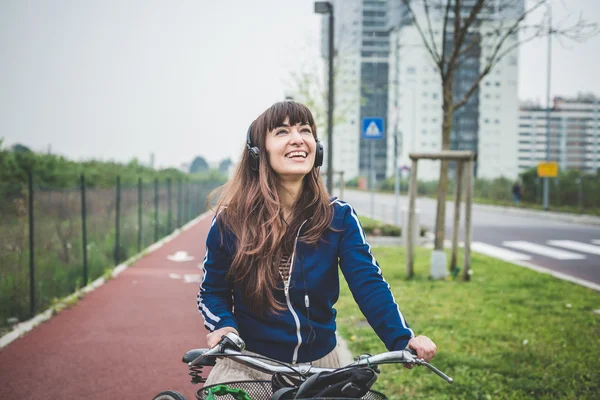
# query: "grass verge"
[[510, 333]]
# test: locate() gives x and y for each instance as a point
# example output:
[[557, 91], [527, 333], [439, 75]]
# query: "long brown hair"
[[253, 212]]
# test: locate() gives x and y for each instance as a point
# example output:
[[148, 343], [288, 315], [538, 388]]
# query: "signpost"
[[372, 128], [547, 169]]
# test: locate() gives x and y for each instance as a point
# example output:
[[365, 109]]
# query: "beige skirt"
[[227, 370]]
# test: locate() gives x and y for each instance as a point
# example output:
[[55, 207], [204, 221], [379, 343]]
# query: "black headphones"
[[253, 153]]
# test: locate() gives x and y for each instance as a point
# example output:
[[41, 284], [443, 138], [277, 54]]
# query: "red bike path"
[[123, 340]]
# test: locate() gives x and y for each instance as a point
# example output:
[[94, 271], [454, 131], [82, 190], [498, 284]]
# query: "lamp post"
[[548, 105], [325, 7]]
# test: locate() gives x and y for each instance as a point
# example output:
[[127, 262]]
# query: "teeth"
[[297, 153]]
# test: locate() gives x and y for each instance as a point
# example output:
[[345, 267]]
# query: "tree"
[[19, 148], [462, 38], [224, 165], [198, 165]]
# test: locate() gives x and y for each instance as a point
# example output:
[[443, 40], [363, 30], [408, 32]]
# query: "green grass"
[[510, 333]]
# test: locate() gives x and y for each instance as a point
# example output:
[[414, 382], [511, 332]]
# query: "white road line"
[[543, 250], [498, 252], [577, 246]]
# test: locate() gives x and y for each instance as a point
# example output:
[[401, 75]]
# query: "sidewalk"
[[122, 340]]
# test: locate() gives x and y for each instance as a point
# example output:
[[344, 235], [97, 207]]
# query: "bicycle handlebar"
[[232, 346]]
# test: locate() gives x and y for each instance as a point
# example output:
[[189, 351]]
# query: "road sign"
[[372, 128], [547, 169]]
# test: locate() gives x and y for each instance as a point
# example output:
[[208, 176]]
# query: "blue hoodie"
[[306, 330]]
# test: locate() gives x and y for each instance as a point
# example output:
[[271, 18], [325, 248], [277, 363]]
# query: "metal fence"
[[55, 241]]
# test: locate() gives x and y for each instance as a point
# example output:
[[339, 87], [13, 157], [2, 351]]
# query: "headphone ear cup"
[[253, 156], [319, 155]]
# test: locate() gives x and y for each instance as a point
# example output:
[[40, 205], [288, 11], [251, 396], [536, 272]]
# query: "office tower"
[[361, 75], [486, 124], [574, 133]]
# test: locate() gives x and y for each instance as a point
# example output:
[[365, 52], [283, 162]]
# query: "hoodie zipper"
[[286, 290]]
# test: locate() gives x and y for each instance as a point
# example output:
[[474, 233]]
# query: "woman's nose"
[[296, 137]]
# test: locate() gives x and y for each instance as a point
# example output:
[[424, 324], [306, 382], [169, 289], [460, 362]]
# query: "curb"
[[343, 352], [543, 270], [25, 326], [556, 216]]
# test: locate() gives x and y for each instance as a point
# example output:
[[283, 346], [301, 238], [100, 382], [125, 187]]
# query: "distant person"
[[275, 249], [517, 192]]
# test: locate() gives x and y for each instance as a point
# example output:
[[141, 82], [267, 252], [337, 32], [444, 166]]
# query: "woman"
[[273, 251]]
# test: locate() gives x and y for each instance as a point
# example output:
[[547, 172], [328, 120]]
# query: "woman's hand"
[[423, 346], [214, 337]]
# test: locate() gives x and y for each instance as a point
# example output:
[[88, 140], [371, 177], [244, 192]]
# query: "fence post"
[[117, 221], [184, 208], [412, 195], [31, 244], [179, 204], [188, 199], [140, 226], [155, 210], [84, 231], [468, 225], [460, 177], [169, 212]]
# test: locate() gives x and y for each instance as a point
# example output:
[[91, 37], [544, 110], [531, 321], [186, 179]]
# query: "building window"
[[410, 70]]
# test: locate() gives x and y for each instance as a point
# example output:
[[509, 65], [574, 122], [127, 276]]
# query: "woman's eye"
[[281, 132], [306, 130]]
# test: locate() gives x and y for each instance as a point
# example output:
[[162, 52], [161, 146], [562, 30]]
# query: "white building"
[[361, 73], [487, 123], [574, 134]]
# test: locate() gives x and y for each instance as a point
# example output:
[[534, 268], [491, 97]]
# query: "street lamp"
[[325, 7]]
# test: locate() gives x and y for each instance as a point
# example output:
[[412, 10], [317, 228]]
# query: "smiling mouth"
[[297, 154]]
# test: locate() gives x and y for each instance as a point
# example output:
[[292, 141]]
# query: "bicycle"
[[231, 345]]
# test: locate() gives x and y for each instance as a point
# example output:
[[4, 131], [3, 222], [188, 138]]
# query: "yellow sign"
[[547, 169]]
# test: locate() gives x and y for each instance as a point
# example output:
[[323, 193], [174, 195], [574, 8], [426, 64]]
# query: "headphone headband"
[[253, 152]]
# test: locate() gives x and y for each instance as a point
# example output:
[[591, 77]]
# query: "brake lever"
[[228, 341], [419, 361]]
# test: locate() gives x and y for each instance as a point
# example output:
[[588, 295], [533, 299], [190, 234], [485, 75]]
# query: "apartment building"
[[361, 83], [573, 137], [487, 123]]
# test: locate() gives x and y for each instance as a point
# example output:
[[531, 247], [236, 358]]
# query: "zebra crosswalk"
[[542, 250], [554, 249]]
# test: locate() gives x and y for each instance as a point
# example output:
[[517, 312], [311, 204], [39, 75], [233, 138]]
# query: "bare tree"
[[467, 27], [308, 85], [309, 88]]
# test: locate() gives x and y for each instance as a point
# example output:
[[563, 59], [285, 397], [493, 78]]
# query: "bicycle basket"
[[261, 390], [254, 389]]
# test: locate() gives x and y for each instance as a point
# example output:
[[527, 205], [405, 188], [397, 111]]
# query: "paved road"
[[571, 248], [122, 341]]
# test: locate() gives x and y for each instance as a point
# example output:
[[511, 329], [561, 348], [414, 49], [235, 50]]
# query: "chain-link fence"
[[54, 241]]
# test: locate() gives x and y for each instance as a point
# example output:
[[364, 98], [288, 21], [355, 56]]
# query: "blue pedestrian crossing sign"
[[372, 128]]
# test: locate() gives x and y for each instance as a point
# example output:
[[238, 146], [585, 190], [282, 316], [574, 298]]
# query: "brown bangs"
[[297, 113]]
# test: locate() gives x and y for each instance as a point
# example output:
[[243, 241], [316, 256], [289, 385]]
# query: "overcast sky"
[[113, 79]]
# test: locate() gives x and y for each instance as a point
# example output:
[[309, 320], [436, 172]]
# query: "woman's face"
[[291, 150]]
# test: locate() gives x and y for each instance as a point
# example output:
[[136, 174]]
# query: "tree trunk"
[[448, 109]]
